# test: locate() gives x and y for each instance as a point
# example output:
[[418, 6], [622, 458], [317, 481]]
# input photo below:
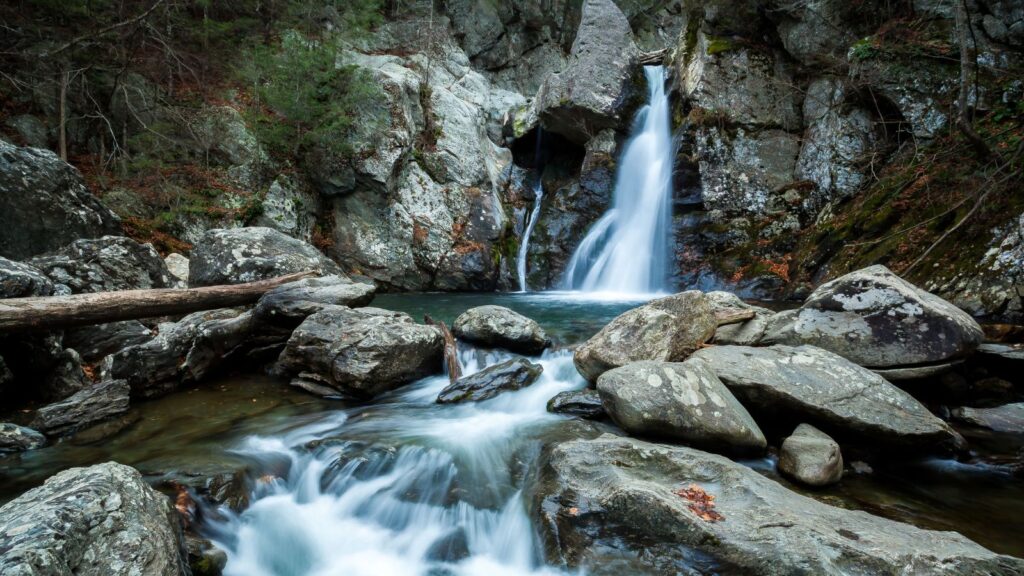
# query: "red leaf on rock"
[[701, 503]]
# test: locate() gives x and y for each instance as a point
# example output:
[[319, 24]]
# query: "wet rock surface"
[[87, 406], [506, 376], [616, 504], [360, 352], [874, 318], [1006, 418], [668, 329], [500, 327], [239, 255], [14, 438], [811, 457], [97, 521], [44, 204], [679, 401], [832, 393], [584, 403]]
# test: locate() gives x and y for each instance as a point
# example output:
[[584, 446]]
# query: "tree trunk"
[[58, 312], [451, 350], [965, 118], [62, 115]]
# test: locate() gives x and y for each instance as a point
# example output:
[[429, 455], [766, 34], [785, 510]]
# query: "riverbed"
[[403, 485]]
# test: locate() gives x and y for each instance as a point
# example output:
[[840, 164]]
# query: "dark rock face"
[[44, 204], [361, 352], [666, 330], [1006, 418], [93, 343], [811, 457], [595, 89], [105, 264], [14, 438], [20, 280], [681, 401], [616, 505], [500, 327], [874, 318], [829, 391], [239, 255], [86, 406], [493, 380], [97, 521], [584, 403], [290, 304]]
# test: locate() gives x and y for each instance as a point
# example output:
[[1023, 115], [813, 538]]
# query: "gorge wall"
[[814, 137]]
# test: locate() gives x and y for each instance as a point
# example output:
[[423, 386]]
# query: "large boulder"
[[290, 304], [86, 406], [500, 327], [105, 264], [874, 318], [599, 85], [97, 521], [239, 255], [828, 391], [668, 330], [615, 505], [681, 401], [506, 376], [44, 204], [811, 457], [360, 353], [14, 438]]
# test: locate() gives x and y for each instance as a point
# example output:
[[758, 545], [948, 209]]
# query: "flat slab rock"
[[92, 404], [682, 401], [830, 392], [1005, 418], [616, 505], [874, 318], [97, 521], [507, 376]]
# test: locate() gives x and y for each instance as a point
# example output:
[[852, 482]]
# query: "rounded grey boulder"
[[668, 330], [239, 255], [874, 318], [811, 457], [501, 327], [681, 401], [97, 521]]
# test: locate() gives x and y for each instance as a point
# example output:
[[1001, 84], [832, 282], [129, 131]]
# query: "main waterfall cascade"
[[627, 250], [406, 487]]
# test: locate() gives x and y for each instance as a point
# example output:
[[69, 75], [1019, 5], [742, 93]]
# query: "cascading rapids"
[[405, 487], [627, 250]]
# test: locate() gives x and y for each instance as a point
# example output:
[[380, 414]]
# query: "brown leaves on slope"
[[700, 503]]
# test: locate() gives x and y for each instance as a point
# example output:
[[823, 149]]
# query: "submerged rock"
[[668, 329], [811, 457], [105, 264], [86, 406], [500, 327], [585, 403], [44, 204], [239, 255], [290, 304], [361, 352], [493, 380], [830, 392], [874, 318], [1005, 418], [616, 505], [14, 438], [97, 521], [682, 401]]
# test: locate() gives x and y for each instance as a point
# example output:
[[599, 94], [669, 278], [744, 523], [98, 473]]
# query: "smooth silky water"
[[407, 486]]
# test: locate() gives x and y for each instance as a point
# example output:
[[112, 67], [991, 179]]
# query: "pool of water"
[[406, 486]]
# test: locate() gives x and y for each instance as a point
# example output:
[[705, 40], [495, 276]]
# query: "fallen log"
[[58, 312], [733, 316], [655, 58], [451, 350]]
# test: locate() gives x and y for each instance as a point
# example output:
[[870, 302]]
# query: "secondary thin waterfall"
[[538, 196], [627, 250], [524, 245]]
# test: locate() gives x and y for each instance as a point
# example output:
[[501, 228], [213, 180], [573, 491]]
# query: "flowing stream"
[[626, 251]]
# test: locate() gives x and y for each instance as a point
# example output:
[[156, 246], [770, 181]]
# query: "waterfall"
[[627, 250], [524, 245], [538, 192]]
